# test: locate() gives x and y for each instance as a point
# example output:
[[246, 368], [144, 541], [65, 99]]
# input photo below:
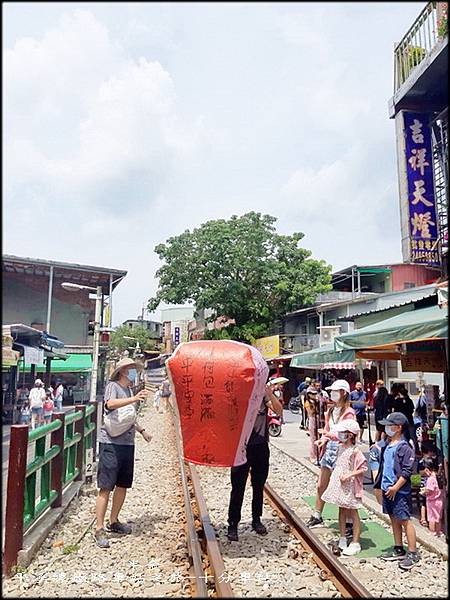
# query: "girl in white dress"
[[345, 488]]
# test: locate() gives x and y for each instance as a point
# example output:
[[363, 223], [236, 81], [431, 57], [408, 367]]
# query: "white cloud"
[[128, 123], [124, 112]]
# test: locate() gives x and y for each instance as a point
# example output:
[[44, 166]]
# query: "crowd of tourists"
[[335, 419], [335, 423], [39, 403]]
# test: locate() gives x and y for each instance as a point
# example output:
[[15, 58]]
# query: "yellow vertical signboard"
[[268, 346]]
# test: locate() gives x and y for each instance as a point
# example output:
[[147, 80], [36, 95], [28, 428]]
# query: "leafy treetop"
[[240, 268]]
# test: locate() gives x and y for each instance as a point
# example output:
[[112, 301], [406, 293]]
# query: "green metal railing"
[[418, 43], [71, 440], [73, 435], [42, 462]]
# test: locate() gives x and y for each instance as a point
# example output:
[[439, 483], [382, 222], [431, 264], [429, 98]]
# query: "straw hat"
[[125, 362], [278, 380]]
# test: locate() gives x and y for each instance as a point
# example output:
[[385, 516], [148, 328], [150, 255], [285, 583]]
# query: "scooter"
[[274, 423], [295, 405]]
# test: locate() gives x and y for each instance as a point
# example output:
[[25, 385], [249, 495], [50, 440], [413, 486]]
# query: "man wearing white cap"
[[328, 443], [116, 448], [36, 399]]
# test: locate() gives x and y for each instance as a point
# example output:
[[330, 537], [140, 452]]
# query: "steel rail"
[[332, 568], [223, 588], [193, 542]]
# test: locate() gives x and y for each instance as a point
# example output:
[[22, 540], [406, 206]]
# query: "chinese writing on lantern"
[[188, 393], [423, 228]]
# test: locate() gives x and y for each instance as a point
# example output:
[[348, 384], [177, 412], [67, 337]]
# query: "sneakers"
[[342, 544], [314, 521], [259, 528], [411, 559], [101, 539], [118, 527], [232, 533], [352, 549], [398, 553]]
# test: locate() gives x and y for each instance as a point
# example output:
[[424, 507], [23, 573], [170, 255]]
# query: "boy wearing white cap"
[[345, 488]]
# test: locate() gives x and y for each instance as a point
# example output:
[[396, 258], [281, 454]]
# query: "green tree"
[[119, 342], [242, 269]]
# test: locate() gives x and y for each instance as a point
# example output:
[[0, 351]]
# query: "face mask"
[[132, 375], [342, 437], [390, 431], [335, 395]]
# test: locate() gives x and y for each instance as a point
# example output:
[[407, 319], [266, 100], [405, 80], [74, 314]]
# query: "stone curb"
[[424, 537]]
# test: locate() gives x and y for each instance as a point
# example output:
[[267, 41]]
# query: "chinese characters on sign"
[[423, 228]]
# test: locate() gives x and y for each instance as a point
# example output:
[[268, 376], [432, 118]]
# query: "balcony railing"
[[302, 343], [418, 43]]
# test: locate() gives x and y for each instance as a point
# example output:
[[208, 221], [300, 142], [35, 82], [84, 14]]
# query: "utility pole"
[[96, 344]]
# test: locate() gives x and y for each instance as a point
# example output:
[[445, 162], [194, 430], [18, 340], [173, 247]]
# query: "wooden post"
[[79, 428], [57, 466], [15, 495]]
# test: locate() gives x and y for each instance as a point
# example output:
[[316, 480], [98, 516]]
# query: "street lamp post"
[[96, 342]]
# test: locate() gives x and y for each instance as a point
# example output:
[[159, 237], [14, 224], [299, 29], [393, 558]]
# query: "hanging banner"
[[423, 222], [425, 361], [268, 346], [33, 356], [219, 387]]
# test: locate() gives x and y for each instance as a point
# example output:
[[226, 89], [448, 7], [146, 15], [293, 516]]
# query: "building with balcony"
[[153, 327], [34, 298], [419, 106]]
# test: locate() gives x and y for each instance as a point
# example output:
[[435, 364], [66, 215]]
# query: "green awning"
[[75, 363], [313, 359], [415, 325]]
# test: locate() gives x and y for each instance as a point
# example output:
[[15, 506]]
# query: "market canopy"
[[412, 326], [316, 358], [75, 363]]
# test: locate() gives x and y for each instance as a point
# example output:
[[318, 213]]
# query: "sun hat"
[[395, 418], [348, 425], [312, 390], [278, 380], [38, 382], [125, 362], [339, 384]]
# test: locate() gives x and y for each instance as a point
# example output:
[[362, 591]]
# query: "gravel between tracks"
[[259, 566], [151, 562], [428, 579]]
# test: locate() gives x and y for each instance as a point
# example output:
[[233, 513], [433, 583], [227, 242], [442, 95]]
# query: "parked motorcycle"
[[274, 423], [294, 405]]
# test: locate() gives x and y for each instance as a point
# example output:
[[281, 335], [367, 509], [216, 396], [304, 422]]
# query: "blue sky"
[[127, 123]]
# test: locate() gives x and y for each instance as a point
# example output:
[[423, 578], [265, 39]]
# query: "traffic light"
[[91, 327]]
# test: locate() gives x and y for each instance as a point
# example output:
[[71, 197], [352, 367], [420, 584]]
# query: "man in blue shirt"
[[358, 401]]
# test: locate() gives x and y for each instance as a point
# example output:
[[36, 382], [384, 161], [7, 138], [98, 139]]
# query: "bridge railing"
[[72, 439]]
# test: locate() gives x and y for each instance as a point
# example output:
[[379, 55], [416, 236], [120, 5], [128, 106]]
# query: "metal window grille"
[[439, 130]]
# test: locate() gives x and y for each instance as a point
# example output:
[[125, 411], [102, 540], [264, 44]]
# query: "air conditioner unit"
[[327, 333]]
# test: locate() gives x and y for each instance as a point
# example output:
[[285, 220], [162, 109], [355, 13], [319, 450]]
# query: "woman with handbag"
[[328, 442], [116, 448]]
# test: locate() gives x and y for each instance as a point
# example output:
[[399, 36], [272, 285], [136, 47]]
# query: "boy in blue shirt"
[[394, 479]]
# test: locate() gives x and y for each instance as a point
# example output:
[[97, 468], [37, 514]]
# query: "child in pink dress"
[[346, 484], [433, 495]]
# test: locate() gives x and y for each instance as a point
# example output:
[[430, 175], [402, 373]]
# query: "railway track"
[[207, 562]]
